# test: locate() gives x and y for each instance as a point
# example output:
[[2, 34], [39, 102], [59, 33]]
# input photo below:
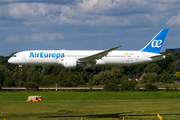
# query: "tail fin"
[[156, 43]]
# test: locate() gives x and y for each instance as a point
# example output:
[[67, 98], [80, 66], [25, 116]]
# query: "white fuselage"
[[55, 57]]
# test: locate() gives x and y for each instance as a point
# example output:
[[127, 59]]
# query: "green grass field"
[[70, 105]]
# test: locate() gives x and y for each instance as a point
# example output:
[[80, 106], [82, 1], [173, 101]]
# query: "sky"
[[86, 24]]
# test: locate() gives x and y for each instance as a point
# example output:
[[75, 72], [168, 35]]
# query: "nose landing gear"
[[21, 67]]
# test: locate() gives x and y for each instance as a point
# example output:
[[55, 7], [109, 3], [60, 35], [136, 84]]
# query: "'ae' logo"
[[156, 43]]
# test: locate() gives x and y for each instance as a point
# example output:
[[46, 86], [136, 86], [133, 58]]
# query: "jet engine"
[[69, 63]]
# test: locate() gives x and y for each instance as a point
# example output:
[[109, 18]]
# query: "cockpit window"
[[14, 55]]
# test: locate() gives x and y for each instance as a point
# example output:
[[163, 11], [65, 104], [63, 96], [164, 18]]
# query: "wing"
[[98, 55]]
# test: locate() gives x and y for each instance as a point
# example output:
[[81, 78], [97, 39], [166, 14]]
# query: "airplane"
[[91, 58]]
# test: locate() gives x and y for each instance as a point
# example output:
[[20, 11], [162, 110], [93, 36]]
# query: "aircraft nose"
[[10, 60]]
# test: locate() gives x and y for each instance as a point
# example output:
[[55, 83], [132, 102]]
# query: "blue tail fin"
[[156, 43]]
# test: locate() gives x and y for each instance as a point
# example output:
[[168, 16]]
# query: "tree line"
[[47, 76]]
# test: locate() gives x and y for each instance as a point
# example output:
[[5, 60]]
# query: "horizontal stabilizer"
[[155, 56]]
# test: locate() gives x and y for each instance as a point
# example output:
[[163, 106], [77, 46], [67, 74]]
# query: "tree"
[[177, 74], [30, 73], [153, 67], [75, 80], [148, 79], [170, 68], [177, 66], [9, 82], [0, 87], [62, 79], [56, 70], [1, 77], [111, 87], [128, 85], [150, 87], [107, 76], [37, 77], [139, 70], [101, 78], [165, 64], [32, 86], [123, 78], [19, 76], [46, 80], [44, 72], [5, 71], [165, 78]]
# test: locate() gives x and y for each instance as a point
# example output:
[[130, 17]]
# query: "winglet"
[[156, 43]]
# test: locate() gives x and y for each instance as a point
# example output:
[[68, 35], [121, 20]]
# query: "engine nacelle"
[[69, 63]]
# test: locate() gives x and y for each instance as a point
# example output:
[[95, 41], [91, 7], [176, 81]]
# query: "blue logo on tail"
[[156, 43]]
